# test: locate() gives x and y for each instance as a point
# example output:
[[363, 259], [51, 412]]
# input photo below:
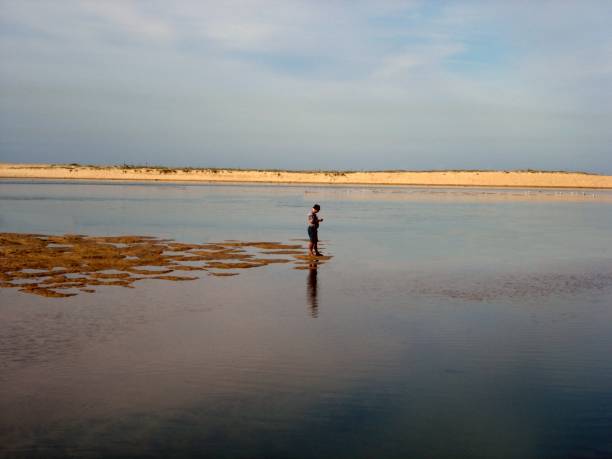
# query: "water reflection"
[[493, 334], [312, 289]]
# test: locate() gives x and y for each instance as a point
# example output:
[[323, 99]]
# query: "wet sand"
[[531, 179]]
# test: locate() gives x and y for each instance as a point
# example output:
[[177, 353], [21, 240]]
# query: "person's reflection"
[[312, 289]]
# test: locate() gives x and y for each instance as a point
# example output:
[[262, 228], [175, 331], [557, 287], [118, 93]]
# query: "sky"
[[327, 84]]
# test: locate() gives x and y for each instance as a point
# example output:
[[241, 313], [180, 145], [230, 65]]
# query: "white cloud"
[[130, 18], [241, 36], [417, 60]]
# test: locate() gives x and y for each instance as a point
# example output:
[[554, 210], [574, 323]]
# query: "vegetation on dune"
[[331, 173]]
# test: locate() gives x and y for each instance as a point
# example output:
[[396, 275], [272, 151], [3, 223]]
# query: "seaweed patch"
[[64, 266]]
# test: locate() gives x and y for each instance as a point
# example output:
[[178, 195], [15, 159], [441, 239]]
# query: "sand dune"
[[429, 178]]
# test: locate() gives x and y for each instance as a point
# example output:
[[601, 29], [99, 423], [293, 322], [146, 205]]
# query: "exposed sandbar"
[[521, 179]]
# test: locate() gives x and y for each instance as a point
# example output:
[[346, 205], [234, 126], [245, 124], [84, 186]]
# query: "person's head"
[[316, 208]]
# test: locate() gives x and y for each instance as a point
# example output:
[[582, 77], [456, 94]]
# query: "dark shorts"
[[312, 234]]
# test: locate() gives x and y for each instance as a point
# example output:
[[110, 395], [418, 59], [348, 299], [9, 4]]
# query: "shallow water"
[[450, 323]]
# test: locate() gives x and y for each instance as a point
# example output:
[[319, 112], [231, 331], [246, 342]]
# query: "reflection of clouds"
[[459, 194], [484, 283], [230, 379], [197, 357]]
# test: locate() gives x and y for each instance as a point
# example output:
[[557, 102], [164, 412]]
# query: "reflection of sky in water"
[[433, 227], [468, 327]]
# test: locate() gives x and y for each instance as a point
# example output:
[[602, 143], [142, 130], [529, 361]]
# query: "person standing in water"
[[313, 231]]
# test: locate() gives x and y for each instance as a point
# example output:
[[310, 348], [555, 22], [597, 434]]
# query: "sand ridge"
[[523, 179]]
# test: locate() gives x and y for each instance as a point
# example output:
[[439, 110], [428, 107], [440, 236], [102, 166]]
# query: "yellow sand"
[[437, 178]]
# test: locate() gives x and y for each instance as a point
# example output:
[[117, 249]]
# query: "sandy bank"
[[436, 178]]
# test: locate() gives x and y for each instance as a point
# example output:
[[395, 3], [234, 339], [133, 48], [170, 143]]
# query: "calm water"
[[450, 323]]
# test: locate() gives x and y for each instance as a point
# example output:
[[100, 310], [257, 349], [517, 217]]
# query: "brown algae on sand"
[[63, 266]]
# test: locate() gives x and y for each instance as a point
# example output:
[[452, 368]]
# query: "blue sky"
[[308, 84]]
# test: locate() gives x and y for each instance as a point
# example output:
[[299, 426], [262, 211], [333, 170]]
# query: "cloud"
[[375, 83], [417, 59], [129, 18]]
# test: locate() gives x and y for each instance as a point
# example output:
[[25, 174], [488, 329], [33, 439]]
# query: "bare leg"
[[310, 247]]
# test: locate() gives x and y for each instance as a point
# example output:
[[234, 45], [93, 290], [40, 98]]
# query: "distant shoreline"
[[449, 178]]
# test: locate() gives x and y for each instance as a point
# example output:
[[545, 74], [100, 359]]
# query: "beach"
[[519, 179]]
